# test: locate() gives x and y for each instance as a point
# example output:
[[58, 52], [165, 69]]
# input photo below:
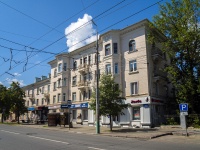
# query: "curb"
[[156, 136]]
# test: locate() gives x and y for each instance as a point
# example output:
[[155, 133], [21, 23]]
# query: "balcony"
[[31, 97], [46, 95], [83, 68], [157, 54], [158, 75], [82, 84]]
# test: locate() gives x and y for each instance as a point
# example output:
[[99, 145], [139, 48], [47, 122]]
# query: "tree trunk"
[[110, 122]]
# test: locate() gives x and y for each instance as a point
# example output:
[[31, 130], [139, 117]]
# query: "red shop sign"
[[136, 101]]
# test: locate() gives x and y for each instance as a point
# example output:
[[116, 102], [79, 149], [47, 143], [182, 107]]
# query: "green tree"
[[17, 101], [179, 22], [110, 101], [3, 100]]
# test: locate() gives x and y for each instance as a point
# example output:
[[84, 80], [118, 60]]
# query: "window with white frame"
[[84, 95], [136, 113], [85, 60], [74, 81], [48, 88], [85, 77], [132, 46], [42, 101], [64, 96], [27, 103], [108, 69], [65, 67], [38, 91], [133, 66], [89, 76], [134, 88], [59, 67], [116, 68], [74, 96], [107, 50], [37, 102], [89, 60]]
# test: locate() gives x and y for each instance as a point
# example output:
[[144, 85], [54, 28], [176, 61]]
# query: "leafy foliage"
[[110, 101], [179, 22]]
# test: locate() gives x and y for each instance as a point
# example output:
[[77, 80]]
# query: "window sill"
[[133, 72], [129, 52], [136, 120], [134, 95]]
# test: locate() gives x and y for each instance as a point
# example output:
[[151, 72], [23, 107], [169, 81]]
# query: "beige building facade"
[[136, 65]]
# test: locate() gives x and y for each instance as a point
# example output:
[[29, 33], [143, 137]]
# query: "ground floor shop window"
[[73, 114], [136, 113], [85, 114]]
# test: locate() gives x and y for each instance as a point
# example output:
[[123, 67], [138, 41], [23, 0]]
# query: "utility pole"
[[97, 89]]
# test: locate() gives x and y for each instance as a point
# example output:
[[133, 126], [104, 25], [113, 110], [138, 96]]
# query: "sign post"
[[183, 113]]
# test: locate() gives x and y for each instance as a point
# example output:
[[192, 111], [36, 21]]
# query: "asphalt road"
[[26, 138]]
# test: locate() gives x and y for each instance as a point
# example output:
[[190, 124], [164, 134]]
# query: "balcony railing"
[[82, 84], [83, 68]]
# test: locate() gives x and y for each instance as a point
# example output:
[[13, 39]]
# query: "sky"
[[33, 32]]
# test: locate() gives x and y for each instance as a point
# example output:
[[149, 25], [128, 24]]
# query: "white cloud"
[[17, 74], [1, 83], [81, 30], [21, 82]]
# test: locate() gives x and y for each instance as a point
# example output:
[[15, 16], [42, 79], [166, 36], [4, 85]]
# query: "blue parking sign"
[[183, 107]]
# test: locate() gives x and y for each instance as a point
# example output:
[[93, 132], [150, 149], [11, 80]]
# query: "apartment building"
[[136, 65], [37, 99]]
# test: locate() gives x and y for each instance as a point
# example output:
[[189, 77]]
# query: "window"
[[81, 61], [134, 88], [85, 77], [108, 69], [59, 82], [58, 97], [136, 113], [85, 60], [37, 102], [64, 96], [96, 74], [54, 99], [27, 103], [74, 81], [65, 82], [54, 86], [75, 65], [65, 67], [55, 72], [116, 68], [42, 101], [48, 88], [133, 65], [80, 96], [74, 96], [89, 94], [132, 46], [89, 60], [59, 67], [115, 48], [89, 76], [85, 114], [38, 91], [107, 50], [73, 114], [84, 95]]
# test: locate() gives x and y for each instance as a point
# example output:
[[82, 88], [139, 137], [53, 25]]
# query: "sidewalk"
[[137, 133]]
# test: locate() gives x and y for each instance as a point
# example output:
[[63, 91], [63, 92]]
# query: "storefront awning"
[[31, 108]]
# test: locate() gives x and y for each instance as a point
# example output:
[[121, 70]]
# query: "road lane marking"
[[48, 139], [96, 148], [9, 132]]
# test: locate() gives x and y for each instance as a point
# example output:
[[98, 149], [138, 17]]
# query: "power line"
[[75, 29], [107, 27], [44, 24]]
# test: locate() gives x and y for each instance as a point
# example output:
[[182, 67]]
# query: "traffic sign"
[[183, 107]]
